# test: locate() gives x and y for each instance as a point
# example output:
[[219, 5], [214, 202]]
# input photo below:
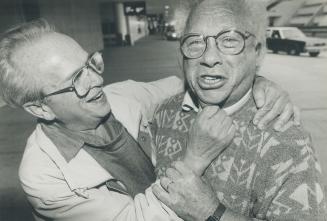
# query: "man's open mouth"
[[97, 97], [211, 81]]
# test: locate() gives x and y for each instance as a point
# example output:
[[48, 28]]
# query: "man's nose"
[[212, 56]]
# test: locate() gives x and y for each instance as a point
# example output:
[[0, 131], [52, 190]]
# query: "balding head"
[[16, 86], [248, 14], [27, 53]]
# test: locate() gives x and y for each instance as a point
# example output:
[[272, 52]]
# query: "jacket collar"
[[190, 104], [81, 172], [69, 142]]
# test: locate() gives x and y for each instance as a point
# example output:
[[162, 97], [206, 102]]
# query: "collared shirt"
[[262, 174], [70, 142], [115, 150]]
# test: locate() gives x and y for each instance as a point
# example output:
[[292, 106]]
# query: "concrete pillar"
[[121, 20]]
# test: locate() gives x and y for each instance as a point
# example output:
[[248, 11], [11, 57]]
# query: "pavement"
[[151, 58]]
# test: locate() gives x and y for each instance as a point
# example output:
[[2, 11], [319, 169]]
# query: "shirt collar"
[[70, 142], [189, 103]]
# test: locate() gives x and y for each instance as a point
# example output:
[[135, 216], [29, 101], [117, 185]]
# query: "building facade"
[[308, 15]]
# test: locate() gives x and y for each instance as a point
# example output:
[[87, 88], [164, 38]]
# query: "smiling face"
[[216, 78], [55, 58]]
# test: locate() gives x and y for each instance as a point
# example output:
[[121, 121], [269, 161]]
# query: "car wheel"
[[275, 51], [314, 54], [293, 51]]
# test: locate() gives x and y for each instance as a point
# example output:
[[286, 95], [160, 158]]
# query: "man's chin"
[[209, 98]]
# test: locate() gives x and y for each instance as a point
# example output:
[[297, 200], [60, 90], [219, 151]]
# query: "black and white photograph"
[[163, 110]]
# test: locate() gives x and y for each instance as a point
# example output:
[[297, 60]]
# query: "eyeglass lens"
[[81, 81], [228, 43]]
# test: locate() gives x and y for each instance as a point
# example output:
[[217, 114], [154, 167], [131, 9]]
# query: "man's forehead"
[[47, 53], [212, 23], [216, 14]]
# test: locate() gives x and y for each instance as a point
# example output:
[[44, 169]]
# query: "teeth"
[[210, 81], [210, 78]]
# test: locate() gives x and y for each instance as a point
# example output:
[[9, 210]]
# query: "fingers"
[[262, 111], [208, 111], [165, 182], [274, 112], [231, 134], [220, 123], [162, 195], [292, 117], [259, 93], [266, 94], [286, 116], [172, 174], [297, 115], [218, 117], [226, 125]]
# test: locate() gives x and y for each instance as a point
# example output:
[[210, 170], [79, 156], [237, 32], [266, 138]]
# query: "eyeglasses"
[[80, 83], [231, 42]]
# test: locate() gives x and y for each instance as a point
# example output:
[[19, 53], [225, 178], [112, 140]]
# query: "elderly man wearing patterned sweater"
[[262, 174]]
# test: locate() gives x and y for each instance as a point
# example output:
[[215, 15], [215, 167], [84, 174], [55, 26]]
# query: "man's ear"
[[39, 110]]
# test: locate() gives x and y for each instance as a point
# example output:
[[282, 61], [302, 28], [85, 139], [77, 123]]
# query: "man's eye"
[[195, 43], [229, 42]]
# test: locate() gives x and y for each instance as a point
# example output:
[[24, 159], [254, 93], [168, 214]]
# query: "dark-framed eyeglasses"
[[229, 42], [80, 82]]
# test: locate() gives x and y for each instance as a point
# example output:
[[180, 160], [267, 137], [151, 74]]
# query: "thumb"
[[259, 96]]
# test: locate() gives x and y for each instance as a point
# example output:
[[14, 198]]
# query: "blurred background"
[[139, 41]]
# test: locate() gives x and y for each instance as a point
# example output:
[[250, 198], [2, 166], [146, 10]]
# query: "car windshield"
[[293, 33]]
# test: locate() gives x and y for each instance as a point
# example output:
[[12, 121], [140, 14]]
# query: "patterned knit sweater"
[[263, 174]]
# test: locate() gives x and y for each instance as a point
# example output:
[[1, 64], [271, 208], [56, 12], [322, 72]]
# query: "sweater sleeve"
[[295, 187]]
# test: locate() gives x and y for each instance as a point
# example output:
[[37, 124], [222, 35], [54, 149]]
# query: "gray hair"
[[16, 86], [252, 14]]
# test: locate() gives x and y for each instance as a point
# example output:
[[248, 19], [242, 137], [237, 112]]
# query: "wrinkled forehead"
[[212, 16]]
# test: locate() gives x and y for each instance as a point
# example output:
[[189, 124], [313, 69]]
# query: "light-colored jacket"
[[76, 190]]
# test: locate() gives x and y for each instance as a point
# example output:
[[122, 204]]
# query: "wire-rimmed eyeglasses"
[[229, 42], [80, 83]]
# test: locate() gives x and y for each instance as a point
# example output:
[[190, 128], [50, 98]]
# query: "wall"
[[10, 13], [285, 10], [79, 19]]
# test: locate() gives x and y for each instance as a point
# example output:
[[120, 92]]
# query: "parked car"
[[170, 33], [293, 41]]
